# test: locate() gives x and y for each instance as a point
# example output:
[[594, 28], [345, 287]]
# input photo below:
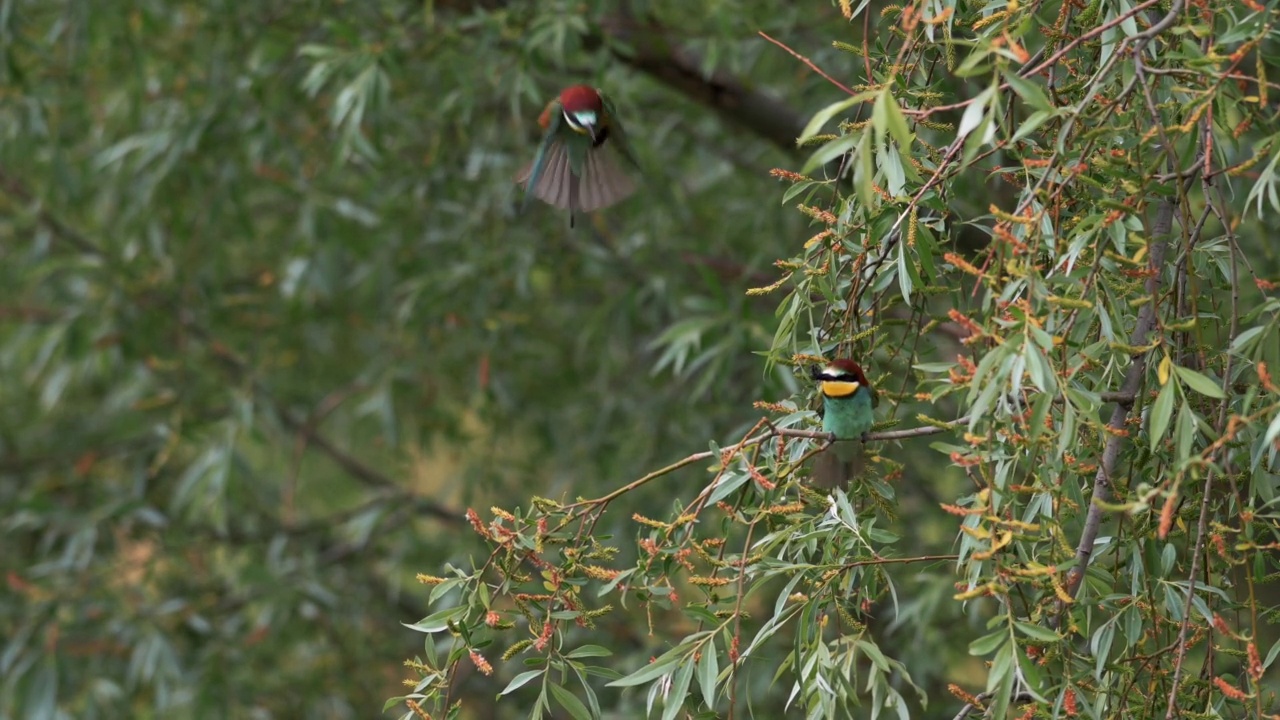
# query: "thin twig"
[[809, 62], [17, 189]]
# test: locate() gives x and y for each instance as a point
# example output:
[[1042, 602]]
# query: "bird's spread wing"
[[617, 135], [551, 177], [548, 163], [604, 182]]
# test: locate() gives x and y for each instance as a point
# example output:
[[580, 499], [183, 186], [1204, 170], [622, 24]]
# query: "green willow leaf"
[[1198, 382], [1162, 413]]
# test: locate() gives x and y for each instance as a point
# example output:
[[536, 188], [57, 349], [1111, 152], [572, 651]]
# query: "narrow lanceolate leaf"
[[830, 151], [888, 118], [1161, 414], [1199, 383], [708, 669], [653, 670], [974, 113], [864, 178], [436, 622], [1273, 430], [1247, 338], [1185, 431], [988, 643], [521, 680], [569, 702], [1037, 632], [1000, 681], [679, 689], [1029, 91], [587, 651], [824, 116], [905, 272]]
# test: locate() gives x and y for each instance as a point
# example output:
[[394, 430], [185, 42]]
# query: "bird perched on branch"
[[848, 412], [576, 167]]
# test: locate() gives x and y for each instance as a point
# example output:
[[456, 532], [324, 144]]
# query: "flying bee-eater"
[[576, 166]]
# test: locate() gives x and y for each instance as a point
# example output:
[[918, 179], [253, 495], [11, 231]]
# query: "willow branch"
[[808, 62], [15, 188], [650, 48], [1102, 482], [1202, 525]]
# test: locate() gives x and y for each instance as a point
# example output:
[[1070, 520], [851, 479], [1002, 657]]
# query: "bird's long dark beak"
[[591, 130]]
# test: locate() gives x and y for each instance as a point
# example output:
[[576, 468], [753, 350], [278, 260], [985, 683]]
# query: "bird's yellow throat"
[[836, 388]]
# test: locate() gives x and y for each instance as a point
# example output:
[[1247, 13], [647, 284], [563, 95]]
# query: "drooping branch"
[[1220, 427], [652, 51], [1102, 482]]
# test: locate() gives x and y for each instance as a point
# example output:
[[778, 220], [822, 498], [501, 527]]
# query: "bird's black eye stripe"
[[838, 377], [601, 135]]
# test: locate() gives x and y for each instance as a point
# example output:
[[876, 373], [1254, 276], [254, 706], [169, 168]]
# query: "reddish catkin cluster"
[[1219, 544], [545, 637], [1018, 51], [1002, 232], [476, 524], [481, 664], [682, 557], [1166, 515], [1221, 625], [1069, 703], [1230, 690], [817, 214], [787, 175], [1264, 377], [760, 479], [417, 710], [1255, 663], [962, 378], [961, 695], [1112, 217], [962, 461], [962, 264], [959, 318]]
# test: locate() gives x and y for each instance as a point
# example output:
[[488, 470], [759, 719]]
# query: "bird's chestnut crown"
[[841, 369], [582, 107]]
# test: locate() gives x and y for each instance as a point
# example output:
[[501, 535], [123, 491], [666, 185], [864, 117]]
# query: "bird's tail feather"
[[837, 466], [602, 184]]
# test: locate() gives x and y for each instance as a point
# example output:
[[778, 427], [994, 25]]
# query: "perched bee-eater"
[[575, 169], [848, 412]]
